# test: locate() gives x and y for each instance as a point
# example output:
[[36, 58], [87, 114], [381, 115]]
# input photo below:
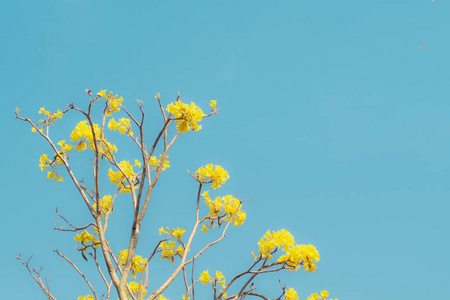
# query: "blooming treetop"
[[126, 271]]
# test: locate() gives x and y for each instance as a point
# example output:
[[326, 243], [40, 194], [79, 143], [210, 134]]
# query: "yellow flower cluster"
[[88, 297], [119, 179], [216, 175], [176, 233], [168, 252], [161, 297], [226, 208], [137, 289], [123, 125], [112, 103], [219, 278], [155, 162], [137, 265], [86, 239], [186, 116], [105, 205], [291, 294], [295, 255], [204, 277], [45, 162], [83, 131], [323, 296], [275, 239], [50, 118], [65, 148], [213, 104]]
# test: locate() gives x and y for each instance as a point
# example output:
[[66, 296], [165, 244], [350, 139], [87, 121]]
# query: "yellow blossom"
[[168, 252], [216, 175], [186, 116], [59, 178], [118, 177], [105, 204], [155, 162], [123, 125], [220, 279], [65, 148], [213, 104], [324, 294], [291, 294], [81, 146], [51, 175], [88, 297], [86, 239], [137, 265], [297, 255], [43, 111], [44, 162], [275, 239], [51, 117], [137, 289], [226, 207], [113, 104], [204, 277], [177, 233]]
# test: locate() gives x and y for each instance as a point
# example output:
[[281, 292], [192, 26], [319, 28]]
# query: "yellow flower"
[[112, 103], [82, 130], [213, 104], [205, 227], [88, 297], [220, 278], [59, 178], [45, 112], [44, 162], [65, 148], [301, 254], [324, 294], [86, 239], [154, 162], [137, 289], [51, 117], [167, 251], [105, 204], [216, 175], [177, 233], [161, 297], [186, 116], [275, 239], [119, 179], [291, 294], [81, 146], [137, 265], [51, 175], [162, 230], [204, 277], [123, 125]]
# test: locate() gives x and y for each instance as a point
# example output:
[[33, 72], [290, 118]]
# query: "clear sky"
[[334, 120]]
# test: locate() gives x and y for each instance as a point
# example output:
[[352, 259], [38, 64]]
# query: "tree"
[[136, 181]]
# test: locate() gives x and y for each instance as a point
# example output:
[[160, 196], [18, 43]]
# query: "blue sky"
[[334, 120]]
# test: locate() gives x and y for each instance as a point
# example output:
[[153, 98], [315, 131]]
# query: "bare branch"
[[79, 272], [36, 276], [74, 227]]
